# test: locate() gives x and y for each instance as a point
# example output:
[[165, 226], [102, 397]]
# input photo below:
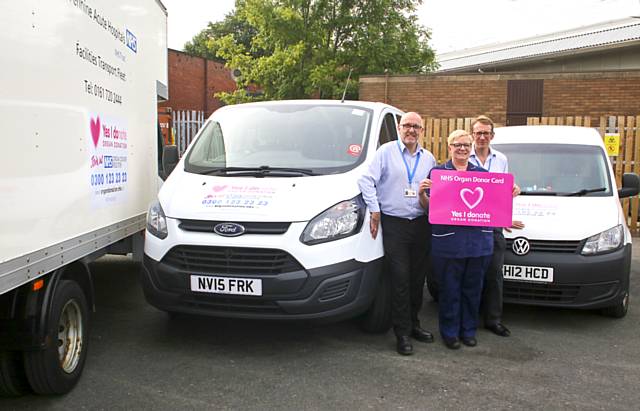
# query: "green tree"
[[306, 48], [242, 32]]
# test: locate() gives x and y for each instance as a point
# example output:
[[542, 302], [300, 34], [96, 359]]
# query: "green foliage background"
[[293, 49]]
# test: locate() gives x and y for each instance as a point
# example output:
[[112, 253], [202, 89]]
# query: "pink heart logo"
[[95, 131], [467, 195], [219, 188]]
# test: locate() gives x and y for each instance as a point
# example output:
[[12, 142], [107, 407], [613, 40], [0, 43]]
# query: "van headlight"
[[342, 220], [157, 221], [606, 241]]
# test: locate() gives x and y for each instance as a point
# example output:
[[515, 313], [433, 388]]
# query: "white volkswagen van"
[[262, 217], [575, 249]]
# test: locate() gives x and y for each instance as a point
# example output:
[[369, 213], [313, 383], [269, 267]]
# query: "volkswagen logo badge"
[[228, 229], [521, 246]]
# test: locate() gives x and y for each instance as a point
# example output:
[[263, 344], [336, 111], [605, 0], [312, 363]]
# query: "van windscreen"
[[558, 169], [281, 140]]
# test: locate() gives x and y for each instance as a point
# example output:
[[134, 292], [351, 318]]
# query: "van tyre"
[[619, 310], [377, 319], [57, 368], [13, 381]]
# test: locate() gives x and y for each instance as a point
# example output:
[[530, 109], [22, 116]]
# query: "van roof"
[[364, 104], [548, 135]]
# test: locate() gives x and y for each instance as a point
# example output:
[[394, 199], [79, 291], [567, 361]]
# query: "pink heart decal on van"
[[95, 131]]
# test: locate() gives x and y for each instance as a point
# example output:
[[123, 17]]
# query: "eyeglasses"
[[482, 133], [460, 145], [417, 127]]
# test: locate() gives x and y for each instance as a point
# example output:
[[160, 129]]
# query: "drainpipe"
[[206, 90], [386, 85]]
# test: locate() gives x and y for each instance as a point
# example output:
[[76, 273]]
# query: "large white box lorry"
[[78, 168]]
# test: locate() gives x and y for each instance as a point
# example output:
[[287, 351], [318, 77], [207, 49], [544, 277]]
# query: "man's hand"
[[374, 223], [424, 186], [519, 225], [516, 190]]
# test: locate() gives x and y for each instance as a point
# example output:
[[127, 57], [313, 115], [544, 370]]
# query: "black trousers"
[[492, 290], [407, 244]]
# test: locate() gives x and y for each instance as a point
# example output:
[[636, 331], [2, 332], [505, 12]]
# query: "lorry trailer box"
[[78, 168]]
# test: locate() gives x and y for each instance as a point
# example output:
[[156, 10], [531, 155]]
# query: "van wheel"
[[377, 319], [619, 310], [57, 368], [13, 381]]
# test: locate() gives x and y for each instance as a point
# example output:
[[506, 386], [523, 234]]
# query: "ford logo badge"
[[228, 229]]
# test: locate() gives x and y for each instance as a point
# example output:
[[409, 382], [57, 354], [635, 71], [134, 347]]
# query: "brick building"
[[452, 96], [593, 70], [193, 81]]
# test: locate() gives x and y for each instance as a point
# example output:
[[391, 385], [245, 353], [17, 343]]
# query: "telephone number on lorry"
[[99, 179]]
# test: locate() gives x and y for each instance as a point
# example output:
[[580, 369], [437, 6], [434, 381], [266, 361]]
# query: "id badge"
[[409, 192]]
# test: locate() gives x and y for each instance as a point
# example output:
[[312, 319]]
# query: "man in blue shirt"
[[390, 188], [493, 161]]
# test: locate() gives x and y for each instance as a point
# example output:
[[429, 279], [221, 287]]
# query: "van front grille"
[[335, 291], [546, 246], [246, 304], [252, 227], [231, 260], [534, 292]]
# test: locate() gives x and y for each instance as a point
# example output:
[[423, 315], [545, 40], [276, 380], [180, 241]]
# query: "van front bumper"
[[579, 281], [334, 292]]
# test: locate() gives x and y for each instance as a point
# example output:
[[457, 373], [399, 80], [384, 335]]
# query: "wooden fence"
[[628, 159]]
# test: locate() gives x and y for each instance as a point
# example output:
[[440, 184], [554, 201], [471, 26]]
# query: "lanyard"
[[490, 160], [415, 166], [479, 163]]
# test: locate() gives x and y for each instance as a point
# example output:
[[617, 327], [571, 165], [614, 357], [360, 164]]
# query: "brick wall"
[[467, 95], [594, 96], [187, 76]]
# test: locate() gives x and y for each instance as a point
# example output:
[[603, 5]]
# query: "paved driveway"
[[140, 359]]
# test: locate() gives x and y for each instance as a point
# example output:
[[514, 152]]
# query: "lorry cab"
[[262, 216], [575, 249]]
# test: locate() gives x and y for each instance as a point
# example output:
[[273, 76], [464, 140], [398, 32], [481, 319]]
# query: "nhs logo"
[[108, 162], [132, 41]]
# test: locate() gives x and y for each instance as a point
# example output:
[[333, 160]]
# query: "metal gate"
[[186, 125]]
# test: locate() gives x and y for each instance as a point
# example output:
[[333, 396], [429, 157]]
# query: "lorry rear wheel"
[[57, 368], [619, 310], [377, 319], [13, 381]]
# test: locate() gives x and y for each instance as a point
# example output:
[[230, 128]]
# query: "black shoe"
[[422, 335], [498, 329], [404, 346], [469, 341], [451, 343]]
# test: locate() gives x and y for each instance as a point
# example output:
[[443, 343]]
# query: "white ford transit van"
[[575, 249], [262, 217]]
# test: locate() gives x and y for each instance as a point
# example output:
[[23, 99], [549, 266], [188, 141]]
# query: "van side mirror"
[[169, 160], [630, 185]]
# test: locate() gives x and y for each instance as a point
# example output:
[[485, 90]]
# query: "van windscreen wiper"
[[538, 193], [585, 191], [261, 171]]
